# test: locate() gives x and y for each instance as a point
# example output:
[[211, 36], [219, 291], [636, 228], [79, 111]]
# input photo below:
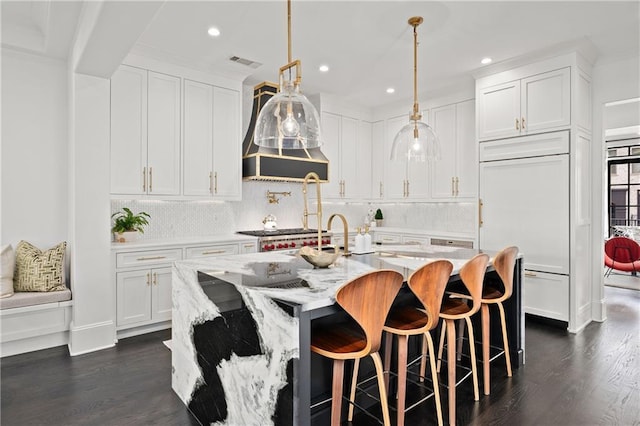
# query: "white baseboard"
[[92, 337], [36, 343], [148, 328]]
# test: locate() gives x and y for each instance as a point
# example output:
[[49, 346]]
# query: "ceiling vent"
[[245, 62]]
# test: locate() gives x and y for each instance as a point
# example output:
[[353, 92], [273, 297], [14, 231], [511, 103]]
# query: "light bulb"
[[416, 144], [290, 127]]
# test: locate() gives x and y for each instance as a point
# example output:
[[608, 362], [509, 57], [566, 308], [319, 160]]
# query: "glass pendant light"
[[416, 141], [288, 120]]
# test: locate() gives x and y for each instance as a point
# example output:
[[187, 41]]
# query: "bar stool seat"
[[367, 299]]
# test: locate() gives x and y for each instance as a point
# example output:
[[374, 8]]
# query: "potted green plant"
[[127, 225], [378, 217]]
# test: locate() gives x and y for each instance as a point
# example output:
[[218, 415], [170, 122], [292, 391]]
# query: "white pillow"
[[7, 263]]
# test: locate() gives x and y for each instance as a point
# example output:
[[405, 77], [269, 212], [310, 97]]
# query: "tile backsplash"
[[174, 219]]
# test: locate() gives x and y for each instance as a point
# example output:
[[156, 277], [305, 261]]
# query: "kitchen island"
[[242, 326]]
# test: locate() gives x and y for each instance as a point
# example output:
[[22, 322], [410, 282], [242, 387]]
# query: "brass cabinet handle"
[[150, 179], [453, 185], [457, 186], [144, 179], [248, 246], [210, 182], [381, 189], [155, 278], [522, 123], [407, 188], [530, 274], [480, 204], [215, 183], [148, 278], [388, 239], [517, 124], [213, 252], [151, 257]]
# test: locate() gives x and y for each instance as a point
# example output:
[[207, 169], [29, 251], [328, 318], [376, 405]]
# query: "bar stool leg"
[[474, 367], [443, 331], [383, 392], [402, 377], [354, 383], [486, 339], [423, 364], [460, 340], [434, 375], [336, 391], [388, 340], [505, 341], [451, 367]]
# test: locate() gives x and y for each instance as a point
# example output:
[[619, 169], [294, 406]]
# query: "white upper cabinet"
[[534, 104], [163, 137], [145, 132], [347, 146], [378, 158], [129, 131], [455, 174], [211, 141]]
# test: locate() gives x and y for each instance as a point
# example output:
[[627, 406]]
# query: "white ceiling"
[[367, 44]]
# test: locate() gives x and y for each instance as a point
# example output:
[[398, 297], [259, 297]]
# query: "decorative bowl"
[[319, 259]]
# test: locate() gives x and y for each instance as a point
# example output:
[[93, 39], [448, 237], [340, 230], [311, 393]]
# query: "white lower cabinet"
[[143, 296], [143, 282], [546, 295]]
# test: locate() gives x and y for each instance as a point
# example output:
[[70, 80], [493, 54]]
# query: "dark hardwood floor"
[[592, 378]]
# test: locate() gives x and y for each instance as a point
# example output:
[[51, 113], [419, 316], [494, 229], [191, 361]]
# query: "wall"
[[34, 149], [613, 80]]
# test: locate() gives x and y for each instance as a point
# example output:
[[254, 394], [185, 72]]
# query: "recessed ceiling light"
[[213, 32], [324, 68], [486, 61], [391, 90]]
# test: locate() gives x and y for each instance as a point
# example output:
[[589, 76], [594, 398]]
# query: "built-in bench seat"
[[34, 320]]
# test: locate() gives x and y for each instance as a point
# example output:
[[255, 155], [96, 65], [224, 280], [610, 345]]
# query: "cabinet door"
[[363, 162], [349, 167], [133, 295], [546, 101], [444, 170], [466, 150], [161, 302], [248, 247], [128, 131], [227, 146], [331, 149], [163, 152], [498, 110], [198, 139], [526, 204], [395, 172], [546, 295], [378, 159]]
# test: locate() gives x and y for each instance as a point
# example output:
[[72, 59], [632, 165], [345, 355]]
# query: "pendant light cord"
[[289, 31], [415, 71]]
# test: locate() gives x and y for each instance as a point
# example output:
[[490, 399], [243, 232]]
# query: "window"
[[623, 187]]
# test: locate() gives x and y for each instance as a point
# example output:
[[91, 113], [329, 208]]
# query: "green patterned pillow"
[[37, 270]]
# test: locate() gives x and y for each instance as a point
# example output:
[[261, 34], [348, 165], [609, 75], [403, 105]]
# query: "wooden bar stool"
[[456, 308], [367, 299], [504, 263], [428, 284]]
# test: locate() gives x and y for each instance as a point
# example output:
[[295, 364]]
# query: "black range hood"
[[290, 165]]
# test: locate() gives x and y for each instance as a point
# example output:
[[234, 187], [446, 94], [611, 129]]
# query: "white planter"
[[125, 237]]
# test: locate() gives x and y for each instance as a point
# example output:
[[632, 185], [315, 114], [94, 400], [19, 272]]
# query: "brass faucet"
[[318, 213], [345, 231]]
